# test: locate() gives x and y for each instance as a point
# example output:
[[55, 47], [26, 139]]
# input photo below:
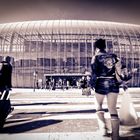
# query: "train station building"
[[65, 47]]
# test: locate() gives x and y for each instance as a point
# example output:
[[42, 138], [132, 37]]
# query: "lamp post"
[[34, 78]]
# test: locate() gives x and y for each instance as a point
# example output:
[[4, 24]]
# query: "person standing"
[[5, 76], [5, 87], [105, 85]]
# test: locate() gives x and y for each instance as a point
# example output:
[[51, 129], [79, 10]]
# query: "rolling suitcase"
[[5, 107]]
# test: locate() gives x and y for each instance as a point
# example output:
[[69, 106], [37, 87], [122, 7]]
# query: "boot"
[[115, 129], [102, 123]]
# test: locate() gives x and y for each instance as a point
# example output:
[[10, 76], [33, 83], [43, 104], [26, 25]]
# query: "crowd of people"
[[53, 83]]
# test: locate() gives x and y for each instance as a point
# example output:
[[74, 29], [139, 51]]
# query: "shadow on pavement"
[[20, 128], [74, 111], [32, 113], [77, 111], [57, 112], [39, 114], [26, 116], [26, 104], [129, 138]]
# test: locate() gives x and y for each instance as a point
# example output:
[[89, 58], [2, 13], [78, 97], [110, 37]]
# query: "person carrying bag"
[[5, 87], [106, 86]]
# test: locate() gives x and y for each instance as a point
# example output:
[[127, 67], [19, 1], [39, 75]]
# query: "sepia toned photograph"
[[69, 70]]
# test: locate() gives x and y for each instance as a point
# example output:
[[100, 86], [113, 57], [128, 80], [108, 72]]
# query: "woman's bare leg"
[[100, 113], [112, 102]]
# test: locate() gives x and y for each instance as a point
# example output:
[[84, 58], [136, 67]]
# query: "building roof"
[[67, 26]]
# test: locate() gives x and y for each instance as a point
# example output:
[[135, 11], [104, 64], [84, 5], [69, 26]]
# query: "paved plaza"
[[60, 115]]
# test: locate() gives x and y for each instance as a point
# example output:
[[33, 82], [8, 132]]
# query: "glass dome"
[[65, 47]]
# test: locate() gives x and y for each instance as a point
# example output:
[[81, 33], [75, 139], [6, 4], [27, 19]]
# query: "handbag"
[[127, 113], [123, 75]]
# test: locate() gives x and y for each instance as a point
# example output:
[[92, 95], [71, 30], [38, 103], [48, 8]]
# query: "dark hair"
[[100, 44], [7, 58]]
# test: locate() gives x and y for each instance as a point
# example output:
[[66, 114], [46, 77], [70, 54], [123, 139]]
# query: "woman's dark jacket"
[[5, 75], [103, 67]]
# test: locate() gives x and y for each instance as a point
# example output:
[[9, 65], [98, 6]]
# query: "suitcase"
[[5, 107]]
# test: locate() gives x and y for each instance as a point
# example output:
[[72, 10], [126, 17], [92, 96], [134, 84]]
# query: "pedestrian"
[[5, 75], [85, 85], [40, 83], [5, 87], [106, 85]]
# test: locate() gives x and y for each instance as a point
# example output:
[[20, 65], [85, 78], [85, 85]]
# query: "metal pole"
[[34, 77], [34, 84]]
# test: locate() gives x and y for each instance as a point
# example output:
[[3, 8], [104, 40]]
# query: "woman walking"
[[106, 85]]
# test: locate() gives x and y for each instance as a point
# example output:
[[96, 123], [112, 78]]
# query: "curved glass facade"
[[65, 46]]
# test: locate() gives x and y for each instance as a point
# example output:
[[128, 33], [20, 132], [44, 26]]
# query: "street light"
[[35, 78]]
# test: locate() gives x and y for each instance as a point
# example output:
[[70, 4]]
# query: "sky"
[[124, 11]]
